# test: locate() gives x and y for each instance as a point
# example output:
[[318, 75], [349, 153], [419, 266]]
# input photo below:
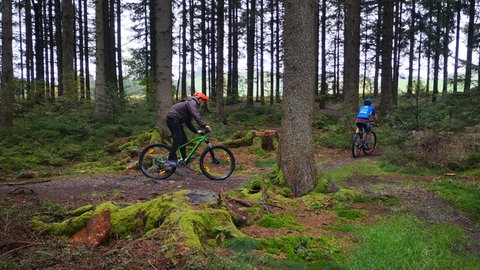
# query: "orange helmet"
[[201, 96]]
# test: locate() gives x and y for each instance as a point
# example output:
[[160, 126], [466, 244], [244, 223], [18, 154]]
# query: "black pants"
[[179, 138]]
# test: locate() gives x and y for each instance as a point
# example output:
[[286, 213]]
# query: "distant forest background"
[[88, 50]]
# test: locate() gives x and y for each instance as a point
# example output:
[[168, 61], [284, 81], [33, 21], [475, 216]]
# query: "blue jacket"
[[365, 112]]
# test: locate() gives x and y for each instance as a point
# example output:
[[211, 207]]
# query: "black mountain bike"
[[359, 143], [216, 161]]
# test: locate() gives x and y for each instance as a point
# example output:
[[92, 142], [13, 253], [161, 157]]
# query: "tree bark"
[[163, 61], [219, 82], [295, 156], [100, 85], [6, 87], [351, 60], [386, 103]]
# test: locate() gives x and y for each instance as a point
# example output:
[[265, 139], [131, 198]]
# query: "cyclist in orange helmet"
[[182, 113]]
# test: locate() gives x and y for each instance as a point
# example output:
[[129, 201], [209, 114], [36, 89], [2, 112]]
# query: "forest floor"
[[133, 186]]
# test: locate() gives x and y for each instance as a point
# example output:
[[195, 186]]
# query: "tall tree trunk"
[[51, 39], [250, 50], [39, 57], [219, 104], [192, 48], [446, 41], [121, 90], [277, 51], [295, 155], [68, 49], [87, 49], [378, 38], [470, 42], [6, 87], [213, 67], [100, 83], [162, 11], [262, 71], [458, 7], [323, 57], [411, 54], [352, 60], [386, 103], [272, 50], [204, 45], [59, 42], [183, 53]]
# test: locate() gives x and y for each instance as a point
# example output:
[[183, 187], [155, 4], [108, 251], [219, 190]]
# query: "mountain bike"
[[216, 161], [358, 144]]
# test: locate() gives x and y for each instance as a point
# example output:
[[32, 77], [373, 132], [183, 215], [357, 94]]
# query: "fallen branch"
[[25, 245]]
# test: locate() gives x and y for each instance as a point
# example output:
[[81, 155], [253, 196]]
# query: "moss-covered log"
[[177, 219]]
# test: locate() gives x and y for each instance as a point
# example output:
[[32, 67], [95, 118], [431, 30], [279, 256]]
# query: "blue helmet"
[[367, 102]]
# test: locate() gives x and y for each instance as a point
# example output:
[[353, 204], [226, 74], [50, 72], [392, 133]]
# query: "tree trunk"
[[470, 41], [250, 50], [386, 103], [457, 44], [411, 54], [163, 62], [183, 53], [68, 49], [6, 87], [352, 60], [219, 83], [295, 156], [323, 57], [100, 88]]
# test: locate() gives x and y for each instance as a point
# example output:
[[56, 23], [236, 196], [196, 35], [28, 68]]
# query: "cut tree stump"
[[268, 138]]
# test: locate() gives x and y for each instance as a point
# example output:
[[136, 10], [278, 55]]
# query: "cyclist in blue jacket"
[[363, 119]]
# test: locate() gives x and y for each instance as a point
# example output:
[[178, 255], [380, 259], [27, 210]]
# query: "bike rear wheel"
[[357, 145], [372, 144], [217, 162], [152, 161]]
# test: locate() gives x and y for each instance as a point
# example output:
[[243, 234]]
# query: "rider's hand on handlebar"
[[208, 129]]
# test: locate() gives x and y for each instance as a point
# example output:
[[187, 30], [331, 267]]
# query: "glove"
[[208, 128]]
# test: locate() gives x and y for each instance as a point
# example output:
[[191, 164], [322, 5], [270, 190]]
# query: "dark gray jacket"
[[184, 111]]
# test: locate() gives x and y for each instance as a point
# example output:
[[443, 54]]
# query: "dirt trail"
[[135, 187]]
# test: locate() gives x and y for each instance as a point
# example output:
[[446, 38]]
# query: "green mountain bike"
[[216, 161], [359, 143]]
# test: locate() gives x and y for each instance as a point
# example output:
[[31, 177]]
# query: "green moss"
[[316, 250], [350, 214], [346, 195], [276, 222], [72, 225], [170, 215], [82, 210]]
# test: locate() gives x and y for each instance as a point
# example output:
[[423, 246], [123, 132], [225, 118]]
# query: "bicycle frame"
[[198, 140]]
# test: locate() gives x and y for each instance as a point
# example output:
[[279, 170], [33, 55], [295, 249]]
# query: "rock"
[[96, 232]]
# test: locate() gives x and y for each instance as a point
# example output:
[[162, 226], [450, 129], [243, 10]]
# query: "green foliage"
[[256, 116], [47, 138], [440, 135], [464, 195], [403, 242]]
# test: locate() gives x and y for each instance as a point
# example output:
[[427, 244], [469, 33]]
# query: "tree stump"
[[268, 138]]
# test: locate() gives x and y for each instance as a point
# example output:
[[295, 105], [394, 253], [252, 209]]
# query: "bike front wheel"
[[152, 162], [217, 162], [357, 145], [372, 144]]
